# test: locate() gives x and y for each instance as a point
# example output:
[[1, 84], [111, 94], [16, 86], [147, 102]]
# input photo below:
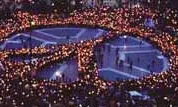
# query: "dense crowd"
[[20, 87]]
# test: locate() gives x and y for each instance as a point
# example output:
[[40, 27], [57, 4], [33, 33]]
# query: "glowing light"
[[125, 36], [32, 23], [58, 74]]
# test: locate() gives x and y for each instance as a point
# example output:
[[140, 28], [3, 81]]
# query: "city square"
[[94, 56]]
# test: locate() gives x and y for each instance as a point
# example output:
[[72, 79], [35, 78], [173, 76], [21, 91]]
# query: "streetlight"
[[32, 23]]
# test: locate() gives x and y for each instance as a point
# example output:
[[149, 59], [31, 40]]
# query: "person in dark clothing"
[[131, 65]]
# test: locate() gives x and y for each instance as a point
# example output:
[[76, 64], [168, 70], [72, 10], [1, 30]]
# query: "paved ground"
[[122, 58], [63, 72], [127, 57], [47, 37]]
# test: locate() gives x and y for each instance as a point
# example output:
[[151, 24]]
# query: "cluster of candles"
[[19, 86]]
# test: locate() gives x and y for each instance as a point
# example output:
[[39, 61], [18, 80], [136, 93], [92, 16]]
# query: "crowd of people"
[[19, 87], [8, 7]]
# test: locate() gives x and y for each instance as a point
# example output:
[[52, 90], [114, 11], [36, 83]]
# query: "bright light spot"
[[125, 36], [32, 23], [165, 98], [58, 74], [52, 4]]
